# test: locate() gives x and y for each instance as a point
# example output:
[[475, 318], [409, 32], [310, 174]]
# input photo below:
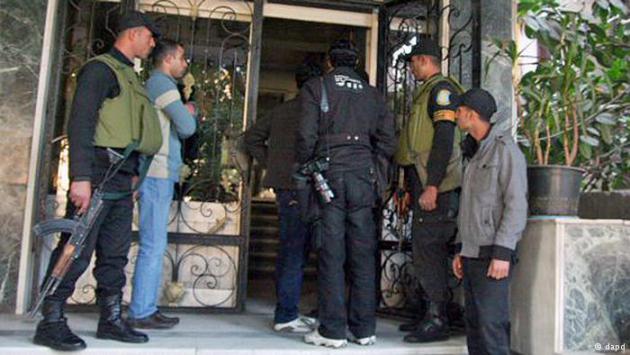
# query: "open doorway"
[[285, 45]]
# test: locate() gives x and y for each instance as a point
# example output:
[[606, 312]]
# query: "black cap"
[[479, 100], [138, 19], [425, 47]]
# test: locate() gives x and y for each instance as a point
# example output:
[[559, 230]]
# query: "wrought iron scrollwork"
[[208, 205], [402, 26]]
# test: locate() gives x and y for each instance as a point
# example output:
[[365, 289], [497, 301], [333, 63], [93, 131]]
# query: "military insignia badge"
[[443, 97]]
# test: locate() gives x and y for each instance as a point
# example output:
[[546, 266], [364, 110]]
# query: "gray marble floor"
[[247, 333]]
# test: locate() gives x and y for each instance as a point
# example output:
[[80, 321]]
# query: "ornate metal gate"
[[455, 25], [205, 264]]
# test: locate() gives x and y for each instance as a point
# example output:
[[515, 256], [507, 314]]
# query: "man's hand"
[[428, 199], [191, 108], [136, 192], [80, 194], [458, 270], [498, 269]]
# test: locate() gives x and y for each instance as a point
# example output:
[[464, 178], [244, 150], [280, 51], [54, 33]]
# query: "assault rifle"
[[79, 228]]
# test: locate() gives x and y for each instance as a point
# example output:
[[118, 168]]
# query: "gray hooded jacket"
[[493, 204]]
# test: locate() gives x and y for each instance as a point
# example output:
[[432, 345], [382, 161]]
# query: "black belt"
[[347, 139]]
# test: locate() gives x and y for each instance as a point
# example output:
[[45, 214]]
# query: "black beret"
[[138, 19], [479, 100], [425, 47]]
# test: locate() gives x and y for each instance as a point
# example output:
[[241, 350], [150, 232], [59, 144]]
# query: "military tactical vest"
[[416, 138], [129, 117]]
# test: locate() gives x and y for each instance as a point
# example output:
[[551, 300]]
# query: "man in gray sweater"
[[492, 217]]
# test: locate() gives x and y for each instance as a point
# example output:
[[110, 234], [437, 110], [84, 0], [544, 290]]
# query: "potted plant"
[[574, 107]]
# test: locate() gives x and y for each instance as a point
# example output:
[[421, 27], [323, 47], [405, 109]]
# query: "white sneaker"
[[300, 324], [317, 339], [371, 340]]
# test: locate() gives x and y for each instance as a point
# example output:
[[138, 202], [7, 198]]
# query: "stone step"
[[268, 272], [264, 220], [263, 246], [258, 231]]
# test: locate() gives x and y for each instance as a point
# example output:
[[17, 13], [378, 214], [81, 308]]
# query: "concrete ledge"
[[614, 204]]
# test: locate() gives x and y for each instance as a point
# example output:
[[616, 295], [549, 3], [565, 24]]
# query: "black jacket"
[[271, 141], [357, 127]]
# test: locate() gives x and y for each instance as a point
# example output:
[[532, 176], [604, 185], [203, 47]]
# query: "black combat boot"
[[412, 325], [112, 326], [53, 330], [434, 326]]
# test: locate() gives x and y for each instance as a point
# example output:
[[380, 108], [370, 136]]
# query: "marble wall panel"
[[597, 285], [22, 23], [497, 23]]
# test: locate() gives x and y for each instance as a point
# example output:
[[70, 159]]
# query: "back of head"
[[305, 72], [343, 53], [163, 49]]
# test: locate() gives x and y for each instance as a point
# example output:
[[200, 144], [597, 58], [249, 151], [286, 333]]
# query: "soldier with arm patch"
[[429, 151]]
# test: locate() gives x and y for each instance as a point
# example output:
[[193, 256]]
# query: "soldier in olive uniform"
[[429, 151]]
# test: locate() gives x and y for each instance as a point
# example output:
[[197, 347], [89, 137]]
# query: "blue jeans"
[[292, 257], [155, 202]]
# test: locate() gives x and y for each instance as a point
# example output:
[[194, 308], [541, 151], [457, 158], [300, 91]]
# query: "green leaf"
[[586, 151], [618, 70], [620, 5], [593, 131], [589, 140], [606, 132], [532, 23], [603, 4], [606, 118]]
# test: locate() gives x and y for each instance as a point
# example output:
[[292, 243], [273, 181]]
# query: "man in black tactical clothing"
[[429, 150], [356, 130], [98, 90]]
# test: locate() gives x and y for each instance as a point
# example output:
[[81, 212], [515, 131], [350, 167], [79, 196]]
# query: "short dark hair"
[[164, 48], [307, 71], [435, 60], [343, 53]]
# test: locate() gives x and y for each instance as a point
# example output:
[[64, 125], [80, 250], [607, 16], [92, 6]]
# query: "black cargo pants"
[[110, 238], [348, 233], [432, 231]]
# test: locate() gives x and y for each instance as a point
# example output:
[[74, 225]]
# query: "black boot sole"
[[138, 340], [416, 340], [150, 325], [58, 347]]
